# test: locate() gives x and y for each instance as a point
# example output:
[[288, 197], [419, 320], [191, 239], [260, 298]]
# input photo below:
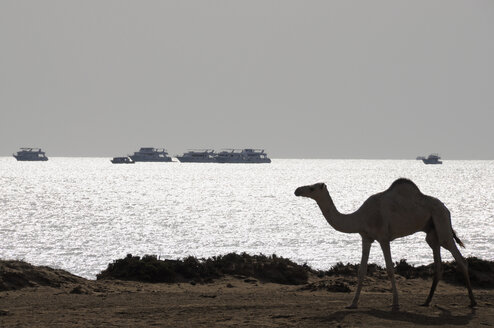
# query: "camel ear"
[[323, 185]]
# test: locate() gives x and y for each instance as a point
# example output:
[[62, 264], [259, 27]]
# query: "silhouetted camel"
[[399, 211]]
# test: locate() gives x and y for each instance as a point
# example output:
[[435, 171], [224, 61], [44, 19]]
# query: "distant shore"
[[32, 296]]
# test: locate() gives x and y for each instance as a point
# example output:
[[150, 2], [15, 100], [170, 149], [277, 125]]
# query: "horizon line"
[[284, 158]]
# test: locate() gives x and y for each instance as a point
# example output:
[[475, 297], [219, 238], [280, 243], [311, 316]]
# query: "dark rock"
[[330, 286], [78, 290], [18, 274], [338, 287]]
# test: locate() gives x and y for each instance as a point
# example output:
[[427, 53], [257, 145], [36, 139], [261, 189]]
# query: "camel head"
[[314, 191]]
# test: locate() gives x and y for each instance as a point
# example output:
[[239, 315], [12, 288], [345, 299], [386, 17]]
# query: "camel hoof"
[[473, 304], [426, 304], [351, 306], [395, 308]]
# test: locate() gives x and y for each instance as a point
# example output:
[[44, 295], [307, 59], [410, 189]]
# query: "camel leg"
[[362, 271], [436, 250], [391, 272], [463, 267]]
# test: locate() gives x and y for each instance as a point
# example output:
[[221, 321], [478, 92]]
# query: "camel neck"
[[347, 223]]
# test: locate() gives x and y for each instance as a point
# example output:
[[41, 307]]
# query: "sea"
[[80, 214]]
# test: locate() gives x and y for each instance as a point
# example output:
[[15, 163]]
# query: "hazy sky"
[[302, 79]]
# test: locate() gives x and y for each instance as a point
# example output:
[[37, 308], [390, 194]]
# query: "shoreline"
[[60, 299], [481, 271]]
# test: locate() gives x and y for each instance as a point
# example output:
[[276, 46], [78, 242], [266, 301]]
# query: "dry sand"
[[239, 302]]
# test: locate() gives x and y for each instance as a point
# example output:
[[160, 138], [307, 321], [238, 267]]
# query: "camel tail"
[[458, 241]]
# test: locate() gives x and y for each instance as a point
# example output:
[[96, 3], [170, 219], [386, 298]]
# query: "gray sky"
[[302, 79]]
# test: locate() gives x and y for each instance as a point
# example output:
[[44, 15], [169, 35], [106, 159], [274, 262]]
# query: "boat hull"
[[242, 161], [33, 159], [122, 161], [195, 160], [144, 159], [426, 161]]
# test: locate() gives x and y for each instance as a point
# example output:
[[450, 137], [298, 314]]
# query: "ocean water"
[[80, 214]]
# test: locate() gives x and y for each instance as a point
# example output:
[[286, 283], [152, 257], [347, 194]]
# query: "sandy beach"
[[64, 300]]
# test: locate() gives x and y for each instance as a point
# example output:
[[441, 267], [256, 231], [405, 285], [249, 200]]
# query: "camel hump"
[[403, 182]]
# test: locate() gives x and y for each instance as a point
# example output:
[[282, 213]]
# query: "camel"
[[399, 211]]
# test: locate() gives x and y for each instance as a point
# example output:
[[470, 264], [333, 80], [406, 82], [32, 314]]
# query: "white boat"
[[432, 159], [30, 154], [198, 156], [247, 155], [122, 160], [149, 154]]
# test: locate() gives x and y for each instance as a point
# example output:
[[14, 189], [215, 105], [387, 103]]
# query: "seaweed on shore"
[[340, 269], [277, 270], [150, 269], [481, 271]]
